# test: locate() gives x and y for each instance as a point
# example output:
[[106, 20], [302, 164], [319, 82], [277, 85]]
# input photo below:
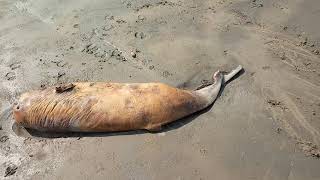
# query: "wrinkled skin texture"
[[105, 107]]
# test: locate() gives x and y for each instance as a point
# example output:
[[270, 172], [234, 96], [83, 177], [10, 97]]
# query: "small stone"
[[133, 54], [60, 74], [279, 130], [304, 42], [42, 86], [10, 76], [15, 66], [122, 58], [116, 52], [140, 35], [10, 170], [91, 46], [4, 139], [151, 67], [274, 102]]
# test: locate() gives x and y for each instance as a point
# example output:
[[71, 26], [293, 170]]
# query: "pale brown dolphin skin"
[[110, 107]]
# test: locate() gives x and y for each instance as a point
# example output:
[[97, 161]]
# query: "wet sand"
[[265, 124]]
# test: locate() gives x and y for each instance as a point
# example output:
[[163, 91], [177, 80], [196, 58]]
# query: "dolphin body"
[[110, 107]]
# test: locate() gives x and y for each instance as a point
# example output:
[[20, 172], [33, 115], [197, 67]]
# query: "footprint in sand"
[[10, 76], [15, 65], [139, 35]]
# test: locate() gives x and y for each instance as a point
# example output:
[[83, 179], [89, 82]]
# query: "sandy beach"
[[265, 125]]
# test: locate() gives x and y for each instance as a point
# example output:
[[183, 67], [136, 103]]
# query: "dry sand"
[[265, 125]]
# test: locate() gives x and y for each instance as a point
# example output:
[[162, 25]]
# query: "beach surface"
[[265, 125]]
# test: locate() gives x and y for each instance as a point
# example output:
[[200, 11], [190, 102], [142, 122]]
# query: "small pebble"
[[151, 67], [4, 139], [133, 54], [10, 170], [10, 76], [140, 35], [15, 66], [60, 74], [279, 130]]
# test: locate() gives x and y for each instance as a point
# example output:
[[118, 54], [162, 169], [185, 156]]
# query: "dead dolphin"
[[109, 107]]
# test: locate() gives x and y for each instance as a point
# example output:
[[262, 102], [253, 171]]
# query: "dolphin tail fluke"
[[232, 73]]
